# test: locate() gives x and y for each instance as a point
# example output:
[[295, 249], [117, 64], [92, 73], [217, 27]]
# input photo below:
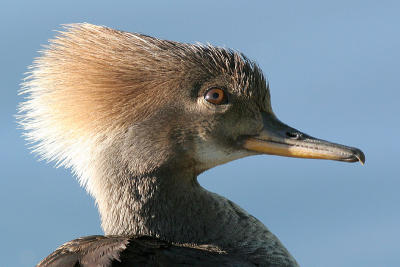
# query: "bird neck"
[[169, 203], [171, 206], [164, 200]]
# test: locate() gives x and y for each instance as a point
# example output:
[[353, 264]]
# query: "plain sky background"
[[334, 72]]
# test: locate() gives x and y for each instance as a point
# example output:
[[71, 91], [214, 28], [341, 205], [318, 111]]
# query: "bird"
[[137, 119]]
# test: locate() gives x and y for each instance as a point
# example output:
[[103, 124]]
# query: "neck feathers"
[[166, 201], [172, 206]]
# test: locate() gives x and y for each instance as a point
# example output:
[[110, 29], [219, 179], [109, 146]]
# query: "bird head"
[[149, 103]]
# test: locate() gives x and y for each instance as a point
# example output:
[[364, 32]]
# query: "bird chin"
[[209, 155]]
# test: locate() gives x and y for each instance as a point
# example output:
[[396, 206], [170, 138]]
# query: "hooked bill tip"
[[360, 156]]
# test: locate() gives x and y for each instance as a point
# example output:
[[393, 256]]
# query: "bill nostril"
[[293, 135]]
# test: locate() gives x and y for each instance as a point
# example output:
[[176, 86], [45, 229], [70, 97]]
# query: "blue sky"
[[334, 73]]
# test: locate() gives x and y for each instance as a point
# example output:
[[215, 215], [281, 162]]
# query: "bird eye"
[[215, 96]]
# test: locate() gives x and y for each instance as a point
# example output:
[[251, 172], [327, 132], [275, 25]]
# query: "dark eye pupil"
[[215, 95]]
